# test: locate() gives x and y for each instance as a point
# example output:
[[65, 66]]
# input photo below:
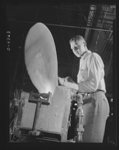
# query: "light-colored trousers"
[[96, 111]]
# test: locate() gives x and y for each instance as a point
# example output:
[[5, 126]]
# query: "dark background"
[[64, 21]]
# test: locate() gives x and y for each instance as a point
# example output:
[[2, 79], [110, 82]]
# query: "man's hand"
[[61, 80], [71, 85], [68, 79]]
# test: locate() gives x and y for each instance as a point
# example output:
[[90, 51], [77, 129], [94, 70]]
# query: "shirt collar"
[[84, 54]]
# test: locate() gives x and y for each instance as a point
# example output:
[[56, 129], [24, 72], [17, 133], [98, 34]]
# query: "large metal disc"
[[41, 58]]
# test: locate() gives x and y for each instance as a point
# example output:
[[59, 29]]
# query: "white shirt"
[[91, 73]]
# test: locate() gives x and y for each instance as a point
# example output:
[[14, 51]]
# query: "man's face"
[[77, 48]]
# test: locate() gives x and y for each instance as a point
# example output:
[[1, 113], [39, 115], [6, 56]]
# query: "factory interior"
[[97, 24]]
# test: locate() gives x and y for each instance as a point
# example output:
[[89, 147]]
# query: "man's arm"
[[71, 85]]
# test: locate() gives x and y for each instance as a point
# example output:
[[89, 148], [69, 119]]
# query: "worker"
[[90, 82]]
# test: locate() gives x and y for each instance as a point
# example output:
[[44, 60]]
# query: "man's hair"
[[78, 38]]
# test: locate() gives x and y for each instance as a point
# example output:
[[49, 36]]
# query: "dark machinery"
[[47, 121]]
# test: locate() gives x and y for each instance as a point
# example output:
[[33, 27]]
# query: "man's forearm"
[[71, 85]]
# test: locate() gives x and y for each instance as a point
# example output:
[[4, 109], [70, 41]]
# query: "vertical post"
[[38, 99], [36, 116], [79, 119]]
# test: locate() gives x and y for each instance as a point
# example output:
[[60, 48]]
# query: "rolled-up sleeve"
[[95, 71]]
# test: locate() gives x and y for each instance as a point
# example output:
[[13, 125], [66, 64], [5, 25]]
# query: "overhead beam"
[[61, 25]]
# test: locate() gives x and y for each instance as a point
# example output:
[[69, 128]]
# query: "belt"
[[98, 90], [89, 93]]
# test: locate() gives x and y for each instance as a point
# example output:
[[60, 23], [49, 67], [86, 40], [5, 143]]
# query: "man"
[[90, 81]]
